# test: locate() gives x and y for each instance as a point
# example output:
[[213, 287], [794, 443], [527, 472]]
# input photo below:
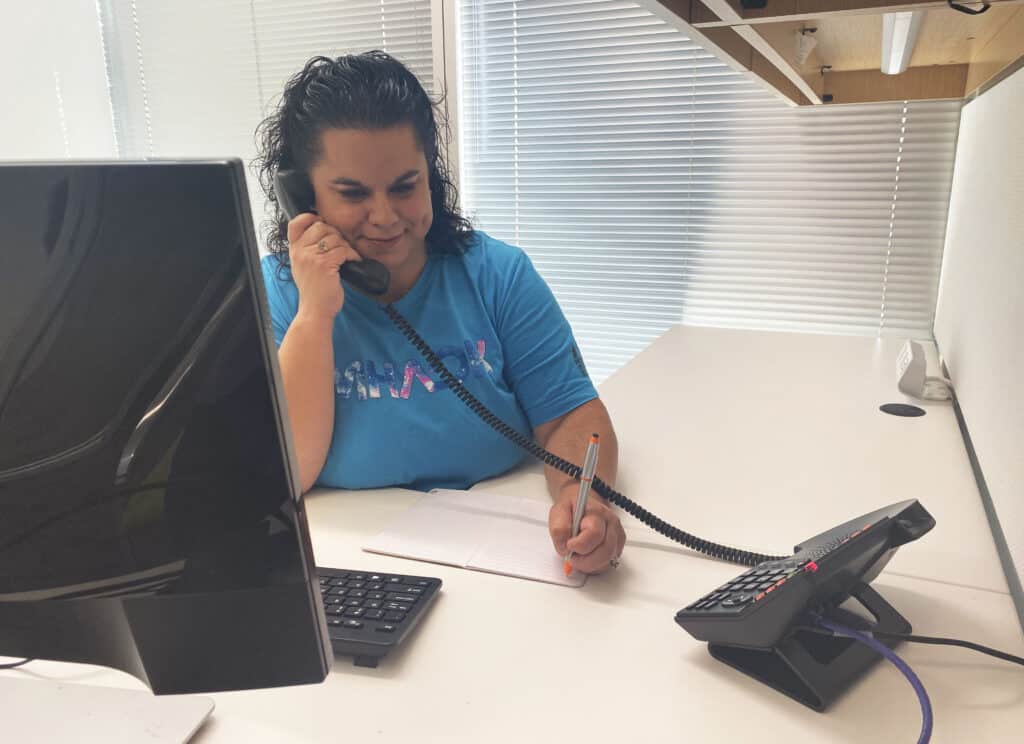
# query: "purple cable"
[[888, 653]]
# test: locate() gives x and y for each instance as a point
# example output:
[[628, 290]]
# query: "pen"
[[589, 466]]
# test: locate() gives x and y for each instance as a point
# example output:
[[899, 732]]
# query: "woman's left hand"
[[601, 536]]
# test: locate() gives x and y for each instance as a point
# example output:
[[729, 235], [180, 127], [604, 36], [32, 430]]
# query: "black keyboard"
[[368, 614]]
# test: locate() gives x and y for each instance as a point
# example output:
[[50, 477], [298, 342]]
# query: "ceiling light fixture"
[[899, 32]]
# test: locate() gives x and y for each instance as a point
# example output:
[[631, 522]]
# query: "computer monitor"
[[150, 514]]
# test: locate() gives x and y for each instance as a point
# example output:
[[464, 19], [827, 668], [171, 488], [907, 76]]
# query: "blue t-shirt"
[[496, 325]]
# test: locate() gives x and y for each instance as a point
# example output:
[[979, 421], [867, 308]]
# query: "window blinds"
[[54, 82], [197, 76], [190, 78], [193, 78], [651, 184]]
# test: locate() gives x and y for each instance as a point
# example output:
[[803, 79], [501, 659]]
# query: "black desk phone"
[[759, 621], [754, 621]]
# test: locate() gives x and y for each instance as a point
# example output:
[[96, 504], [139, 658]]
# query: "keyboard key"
[[386, 628], [351, 624], [374, 614], [394, 615]]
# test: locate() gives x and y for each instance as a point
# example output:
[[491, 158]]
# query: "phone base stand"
[[813, 668]]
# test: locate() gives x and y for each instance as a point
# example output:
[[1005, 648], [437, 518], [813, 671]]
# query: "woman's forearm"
[[306, 357], [568, 438]]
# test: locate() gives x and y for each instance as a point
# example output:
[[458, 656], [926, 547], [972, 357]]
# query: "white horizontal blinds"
[[187, 80], [651, 184], [291, 31], [820, 219], [920, 208], [567, 109], [197, 76], [53, 82]]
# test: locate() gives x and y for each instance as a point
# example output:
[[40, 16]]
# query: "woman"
[[365, 409]]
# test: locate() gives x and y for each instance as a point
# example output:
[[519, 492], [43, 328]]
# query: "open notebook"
[[480, 530]]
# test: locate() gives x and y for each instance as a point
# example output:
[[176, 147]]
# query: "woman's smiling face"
[[372, 185]]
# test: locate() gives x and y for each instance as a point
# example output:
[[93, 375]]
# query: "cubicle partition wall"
[[979, 320]]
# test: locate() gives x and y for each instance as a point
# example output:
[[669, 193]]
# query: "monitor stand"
[[47, 711]]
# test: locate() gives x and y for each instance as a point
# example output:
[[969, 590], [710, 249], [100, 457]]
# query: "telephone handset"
[[295, 195]]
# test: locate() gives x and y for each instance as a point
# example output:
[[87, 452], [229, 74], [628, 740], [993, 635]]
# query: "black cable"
[[951, 642], [16, 664], [715, 550], [969, 11]]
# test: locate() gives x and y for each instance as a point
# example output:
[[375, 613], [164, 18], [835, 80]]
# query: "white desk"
[[775, 437], [762, 426]]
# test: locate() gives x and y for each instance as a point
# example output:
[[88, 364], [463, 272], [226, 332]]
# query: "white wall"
[[979, 321]]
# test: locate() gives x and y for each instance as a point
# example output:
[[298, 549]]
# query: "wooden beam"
[[917, 83], [728, 13], [732, 44], [731, 13], [1004, 49], [767, 71], [682, 9], [785, 68], [728, 46], [728, 10], [701, 16]]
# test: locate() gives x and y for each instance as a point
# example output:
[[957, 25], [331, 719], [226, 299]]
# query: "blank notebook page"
[[478, 530]]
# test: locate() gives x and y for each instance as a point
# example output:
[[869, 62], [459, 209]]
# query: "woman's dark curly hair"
[[372, 90]]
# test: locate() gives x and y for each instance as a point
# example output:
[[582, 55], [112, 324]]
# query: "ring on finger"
[[321, 246]]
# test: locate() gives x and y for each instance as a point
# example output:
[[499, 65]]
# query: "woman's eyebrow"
[[351, 182]]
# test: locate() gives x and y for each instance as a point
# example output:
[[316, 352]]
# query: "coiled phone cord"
[[722, 552]]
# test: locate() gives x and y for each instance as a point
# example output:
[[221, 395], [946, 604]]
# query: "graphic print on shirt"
[[365, 378]]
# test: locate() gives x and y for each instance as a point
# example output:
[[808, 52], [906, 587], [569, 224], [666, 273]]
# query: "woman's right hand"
[[316, 251]]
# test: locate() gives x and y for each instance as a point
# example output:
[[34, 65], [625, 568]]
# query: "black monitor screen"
[[148, 511]]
